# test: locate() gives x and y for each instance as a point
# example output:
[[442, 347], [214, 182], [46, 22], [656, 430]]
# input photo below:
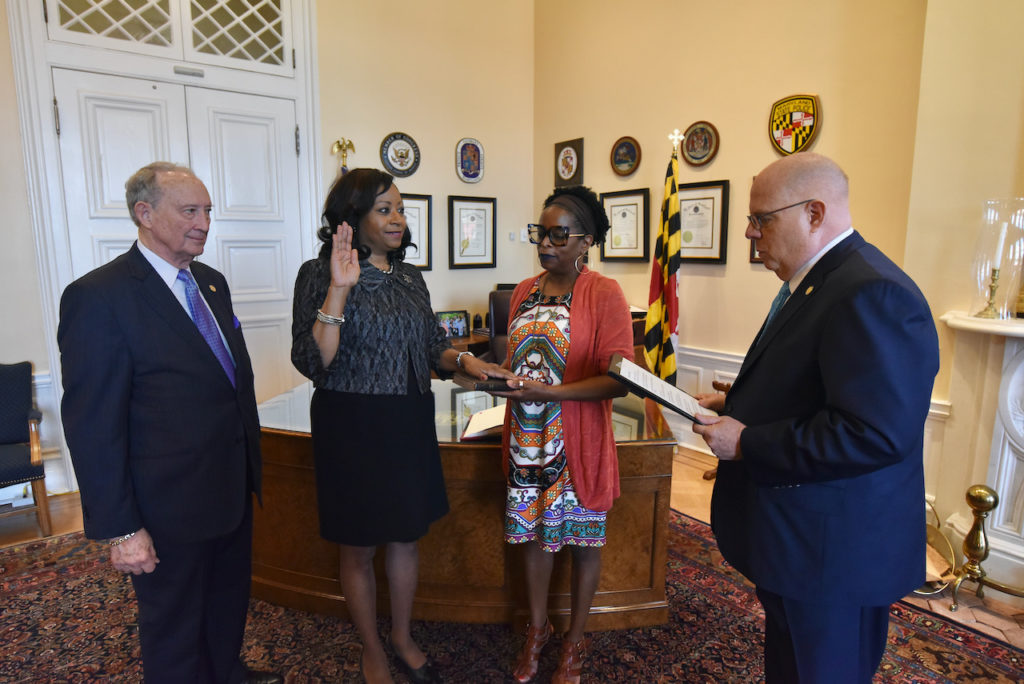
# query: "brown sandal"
[[570, 663], [526, 663]]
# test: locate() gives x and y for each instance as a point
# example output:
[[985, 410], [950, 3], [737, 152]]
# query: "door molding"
[[34, 56]]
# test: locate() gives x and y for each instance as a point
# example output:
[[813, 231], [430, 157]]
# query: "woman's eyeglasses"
[[557, 235]]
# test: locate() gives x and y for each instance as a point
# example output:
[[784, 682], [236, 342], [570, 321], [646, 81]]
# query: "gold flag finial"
[[344, 146]]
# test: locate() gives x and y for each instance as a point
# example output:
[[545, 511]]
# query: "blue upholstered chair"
[[21, 457]]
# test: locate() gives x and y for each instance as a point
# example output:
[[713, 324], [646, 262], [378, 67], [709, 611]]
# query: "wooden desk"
[[477, 344], [467, 572]]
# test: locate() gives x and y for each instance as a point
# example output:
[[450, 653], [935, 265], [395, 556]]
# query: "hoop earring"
[[576, 263]]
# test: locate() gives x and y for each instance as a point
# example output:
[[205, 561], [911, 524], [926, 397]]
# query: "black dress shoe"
[[259, 677], [424, 674]]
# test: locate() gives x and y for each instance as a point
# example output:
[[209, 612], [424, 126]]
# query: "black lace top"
[[389, 329]]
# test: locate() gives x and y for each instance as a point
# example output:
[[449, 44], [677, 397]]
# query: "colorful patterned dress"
[[542, 504]]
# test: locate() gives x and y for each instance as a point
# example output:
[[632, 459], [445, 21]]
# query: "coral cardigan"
[[600, 326]]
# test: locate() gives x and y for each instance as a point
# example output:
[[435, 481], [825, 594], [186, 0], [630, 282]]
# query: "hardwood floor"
[[65, 515]]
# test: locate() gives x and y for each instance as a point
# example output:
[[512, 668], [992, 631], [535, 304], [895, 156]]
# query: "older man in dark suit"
[[819, 498], [160, 417]]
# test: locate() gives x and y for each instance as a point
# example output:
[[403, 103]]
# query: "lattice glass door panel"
[[254, 35], [241, 34], [149, 27]]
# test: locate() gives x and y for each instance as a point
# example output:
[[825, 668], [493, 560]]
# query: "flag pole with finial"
[[660, 328], [344, 146]]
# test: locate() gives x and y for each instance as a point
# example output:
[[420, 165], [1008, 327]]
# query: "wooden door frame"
[[34, 55]]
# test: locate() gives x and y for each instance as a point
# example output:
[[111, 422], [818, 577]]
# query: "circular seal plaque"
[[625, 155], [700, 143], [400, 155]]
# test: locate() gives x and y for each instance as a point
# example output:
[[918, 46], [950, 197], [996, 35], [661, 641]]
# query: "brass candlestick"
[[982, 500], [990, 310]]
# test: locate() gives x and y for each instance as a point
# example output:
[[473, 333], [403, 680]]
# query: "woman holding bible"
[[364, 332], [564, 326]]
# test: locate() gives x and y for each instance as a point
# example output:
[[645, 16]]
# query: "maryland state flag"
[[663, 310]]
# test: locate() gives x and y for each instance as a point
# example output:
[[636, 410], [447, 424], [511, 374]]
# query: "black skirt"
[[378, 466]]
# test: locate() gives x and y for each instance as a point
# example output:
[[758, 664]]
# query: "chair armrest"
[[34, 443]]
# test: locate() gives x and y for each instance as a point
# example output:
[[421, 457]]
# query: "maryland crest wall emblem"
[[794, 122]]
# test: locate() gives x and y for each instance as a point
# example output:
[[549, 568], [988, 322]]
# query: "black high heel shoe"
[[424, 674]]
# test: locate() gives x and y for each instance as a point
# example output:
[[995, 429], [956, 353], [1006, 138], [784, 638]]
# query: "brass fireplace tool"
[[982, 500]]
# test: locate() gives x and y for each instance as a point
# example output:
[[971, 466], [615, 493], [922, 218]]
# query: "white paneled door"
[[109, 128], [241, 146]]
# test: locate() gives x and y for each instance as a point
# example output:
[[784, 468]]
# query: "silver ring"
[[520, 384]]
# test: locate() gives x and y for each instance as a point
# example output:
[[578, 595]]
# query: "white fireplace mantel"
[[1007, 327], [1005, 471]]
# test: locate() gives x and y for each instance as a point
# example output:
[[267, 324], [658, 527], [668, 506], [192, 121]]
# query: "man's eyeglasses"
[[558, 235], [757, 219]]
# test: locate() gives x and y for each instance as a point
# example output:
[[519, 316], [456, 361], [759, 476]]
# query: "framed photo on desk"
[[455, 323]]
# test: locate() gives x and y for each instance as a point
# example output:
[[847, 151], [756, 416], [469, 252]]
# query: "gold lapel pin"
[[809, 290], [213, 289]]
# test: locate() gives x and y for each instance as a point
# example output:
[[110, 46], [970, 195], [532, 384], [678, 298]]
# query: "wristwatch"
[[458, 359]]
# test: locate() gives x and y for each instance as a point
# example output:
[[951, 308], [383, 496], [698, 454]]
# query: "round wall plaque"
[[700, 143], [625, 155], [400, 155]]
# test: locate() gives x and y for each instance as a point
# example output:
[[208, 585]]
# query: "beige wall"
[[21, 334], [438, 72], [969, 147], [520, 76], [604, 71]]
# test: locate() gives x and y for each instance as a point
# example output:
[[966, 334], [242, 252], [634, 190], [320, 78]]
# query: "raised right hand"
[[344, 259]]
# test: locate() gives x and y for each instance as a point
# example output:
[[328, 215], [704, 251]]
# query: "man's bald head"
[[822, 191], [807, 175]]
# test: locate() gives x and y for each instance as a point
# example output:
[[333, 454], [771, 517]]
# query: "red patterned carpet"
[[68, 617]]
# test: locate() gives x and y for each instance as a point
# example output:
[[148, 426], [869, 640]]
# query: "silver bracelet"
[[328, 319], [120, 540], [458, 359]]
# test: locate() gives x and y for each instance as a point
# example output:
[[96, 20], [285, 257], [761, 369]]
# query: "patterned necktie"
[[777, 303], [206, 324]]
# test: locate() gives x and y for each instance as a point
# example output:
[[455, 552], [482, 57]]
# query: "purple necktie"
[[206, 324]]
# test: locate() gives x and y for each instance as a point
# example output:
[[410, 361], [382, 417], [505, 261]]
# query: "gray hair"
[[144, 185]]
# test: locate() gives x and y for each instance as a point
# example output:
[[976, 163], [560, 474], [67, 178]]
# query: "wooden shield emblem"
[[794, 122]]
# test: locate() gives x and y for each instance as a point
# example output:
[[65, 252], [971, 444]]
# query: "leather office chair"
[[498, 303], [21, 456]]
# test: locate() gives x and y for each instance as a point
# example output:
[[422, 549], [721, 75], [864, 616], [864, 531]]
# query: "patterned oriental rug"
[[67, 616]]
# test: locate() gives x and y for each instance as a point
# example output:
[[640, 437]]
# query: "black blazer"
[[158, 436], [827, 503]]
